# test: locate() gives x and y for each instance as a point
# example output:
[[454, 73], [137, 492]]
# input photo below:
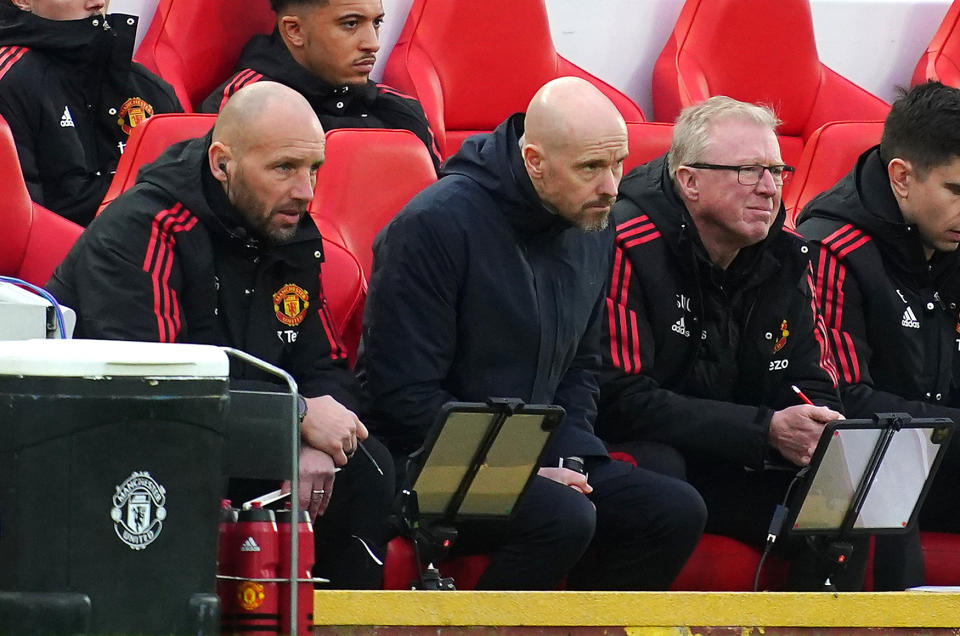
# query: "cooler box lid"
[[99, 358]]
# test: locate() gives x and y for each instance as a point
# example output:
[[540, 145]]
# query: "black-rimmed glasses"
[[751, 175]]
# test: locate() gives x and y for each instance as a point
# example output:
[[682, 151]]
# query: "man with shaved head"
[[490, 283], [213, 246]]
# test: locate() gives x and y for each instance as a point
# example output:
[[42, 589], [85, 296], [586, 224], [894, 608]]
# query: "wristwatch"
[[301, 407], [573, 463]]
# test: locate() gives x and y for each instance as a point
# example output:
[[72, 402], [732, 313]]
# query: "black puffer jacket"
[[71, 96], [891, 313], [479, 291], [699, 357], [171, 261]]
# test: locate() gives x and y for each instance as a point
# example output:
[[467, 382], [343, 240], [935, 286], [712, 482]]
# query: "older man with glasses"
[[710, 323]]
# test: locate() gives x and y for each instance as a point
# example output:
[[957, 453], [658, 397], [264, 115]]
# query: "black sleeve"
[[578, 393], [410, 325], [811, 364], [840, 297], [319, 361], [215, 100], [406, 112], [127, 281]]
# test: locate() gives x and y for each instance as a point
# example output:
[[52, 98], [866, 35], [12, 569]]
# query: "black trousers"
[[633, 532], [351, 537], [940, 512]]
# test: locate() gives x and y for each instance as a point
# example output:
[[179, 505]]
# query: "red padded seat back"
[[345, 291], [34, 240], [194, 44], [941, 60], [367, 176], [738, 48], [148, 141], [755, 51], [647, 141], [830, 153], [471, 84], [17, 218]]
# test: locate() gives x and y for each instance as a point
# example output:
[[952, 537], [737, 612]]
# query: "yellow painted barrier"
[[638, 610]]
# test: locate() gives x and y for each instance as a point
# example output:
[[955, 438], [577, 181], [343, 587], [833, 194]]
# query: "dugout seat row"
[[718, 563], [761, 52], [470, 84]]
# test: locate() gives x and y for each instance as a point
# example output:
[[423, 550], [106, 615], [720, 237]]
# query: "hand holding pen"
[[795, 430]]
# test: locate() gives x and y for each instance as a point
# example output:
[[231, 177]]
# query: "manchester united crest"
[[138, 510], [782, 340], [290, 304], [250, 595], [132, 114]]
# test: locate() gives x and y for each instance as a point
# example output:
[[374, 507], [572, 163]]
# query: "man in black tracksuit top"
[[213, 246], [72, 96], [711, 319], [325, 49], [888, 274], [490, 284]]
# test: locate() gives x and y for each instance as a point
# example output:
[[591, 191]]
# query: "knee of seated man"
[[677, 508], [570, 513]]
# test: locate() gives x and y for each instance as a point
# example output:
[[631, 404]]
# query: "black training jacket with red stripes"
[[891, 315], [171, 261], [662, 380], [72, 96], [369, 105]]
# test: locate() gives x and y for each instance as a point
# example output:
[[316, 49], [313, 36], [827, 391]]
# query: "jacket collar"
[[268, 55], [494, 161], [90, 41]]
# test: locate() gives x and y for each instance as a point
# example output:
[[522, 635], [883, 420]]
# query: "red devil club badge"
[[290, 303], [782, 341], [132, 114]]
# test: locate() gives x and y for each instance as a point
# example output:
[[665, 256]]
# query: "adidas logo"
[[910, 319], [66, 121], [249, 546], [680, 328]]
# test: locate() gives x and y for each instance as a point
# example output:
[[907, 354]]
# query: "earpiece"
[[222, 167]]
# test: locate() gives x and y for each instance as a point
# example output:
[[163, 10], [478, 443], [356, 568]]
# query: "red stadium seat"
[[941, 555], [941, 60], [194, 45], [400, 567], [470, 84], [830, 153], [647, 141], [345, 290], [148, 141], [762, 52], [368, 175], [34, 239]]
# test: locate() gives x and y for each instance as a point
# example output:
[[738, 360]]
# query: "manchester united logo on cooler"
[[290, 303], [138, 510], [132, 114]]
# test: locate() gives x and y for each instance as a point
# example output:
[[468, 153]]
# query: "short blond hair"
[[691, 133]]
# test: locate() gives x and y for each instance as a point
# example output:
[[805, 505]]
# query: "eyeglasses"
[[751, 175]]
